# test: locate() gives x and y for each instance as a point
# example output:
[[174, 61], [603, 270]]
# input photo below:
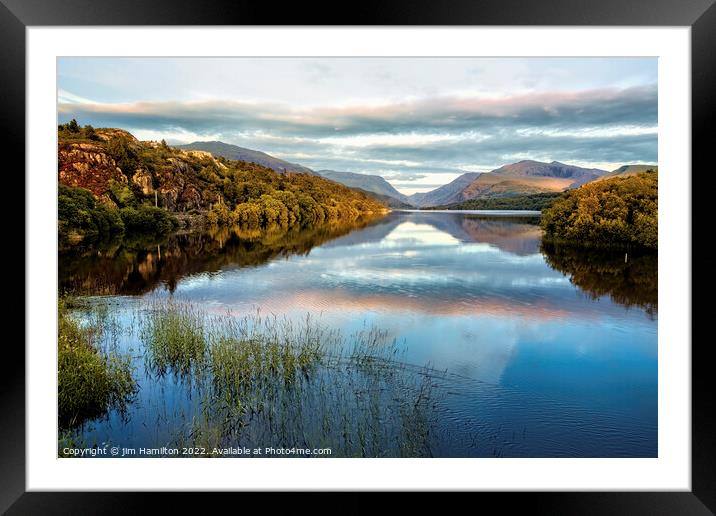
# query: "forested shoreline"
[[614, 212], [113, 184]]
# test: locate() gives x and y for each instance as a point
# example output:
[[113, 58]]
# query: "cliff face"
[[88, 166], [142, 167]]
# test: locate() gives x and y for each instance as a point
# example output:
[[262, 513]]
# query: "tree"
[[89, 133], [124, 156]]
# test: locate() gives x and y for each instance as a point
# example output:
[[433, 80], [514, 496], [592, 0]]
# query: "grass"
[[174, 336], [262, 381], [90, 381], [271, 380]]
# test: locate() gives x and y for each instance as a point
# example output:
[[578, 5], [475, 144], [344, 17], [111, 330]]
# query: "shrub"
[[82, 218], [89, 133], [249, 214], [122, 194], [148, 219]]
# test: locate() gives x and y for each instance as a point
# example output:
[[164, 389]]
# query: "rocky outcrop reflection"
[[630, 279], [136, 266]]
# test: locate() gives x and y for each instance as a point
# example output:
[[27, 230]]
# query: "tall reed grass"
[[90, 380], [261, 380]]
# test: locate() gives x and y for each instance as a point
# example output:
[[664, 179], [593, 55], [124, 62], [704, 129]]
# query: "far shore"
[[505, 213]]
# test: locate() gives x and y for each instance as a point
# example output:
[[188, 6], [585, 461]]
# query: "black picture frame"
[[700, 15]]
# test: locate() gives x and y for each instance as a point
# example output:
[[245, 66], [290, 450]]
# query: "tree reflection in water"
[[136, 266], [630, 279]]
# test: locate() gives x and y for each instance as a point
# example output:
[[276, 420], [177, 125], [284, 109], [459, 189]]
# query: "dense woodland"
[[612, 212], [254, 196], [110, 183], [534, 202]]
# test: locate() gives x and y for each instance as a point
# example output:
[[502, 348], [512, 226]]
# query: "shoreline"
[[505, 213]]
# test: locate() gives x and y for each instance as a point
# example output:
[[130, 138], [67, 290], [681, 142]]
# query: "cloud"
[[403, 176], [434, 134]]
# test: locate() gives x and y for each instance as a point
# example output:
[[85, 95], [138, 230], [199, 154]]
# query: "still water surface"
[[550, 352]]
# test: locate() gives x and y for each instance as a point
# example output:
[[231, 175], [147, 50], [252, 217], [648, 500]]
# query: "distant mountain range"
[[371, 183], [444, 194], [521, 178], [235, 152], [524, 178], [390, 202]]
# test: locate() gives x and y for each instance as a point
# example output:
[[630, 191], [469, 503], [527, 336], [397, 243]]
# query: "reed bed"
[[266, 380], [91, 379]]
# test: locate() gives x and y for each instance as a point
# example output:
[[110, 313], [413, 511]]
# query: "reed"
[[266, 380], [90, 380]]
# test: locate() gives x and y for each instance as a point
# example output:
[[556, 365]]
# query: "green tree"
[[124, 155], [89, 133]]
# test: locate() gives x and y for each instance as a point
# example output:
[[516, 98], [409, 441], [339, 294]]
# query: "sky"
[[418, 122]]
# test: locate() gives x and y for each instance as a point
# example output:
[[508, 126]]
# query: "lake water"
[[546, 351]]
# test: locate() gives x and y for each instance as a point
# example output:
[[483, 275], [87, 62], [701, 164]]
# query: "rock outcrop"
[[174, 178], [87, 165], [143, 179]]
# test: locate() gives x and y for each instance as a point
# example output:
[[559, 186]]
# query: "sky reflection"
[[468, 294]]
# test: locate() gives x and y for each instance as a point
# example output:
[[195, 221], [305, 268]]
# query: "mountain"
[[629, 170], [234, 152], [368, 182], [390, 202], [555, 169], [446, 194], [522, 178]]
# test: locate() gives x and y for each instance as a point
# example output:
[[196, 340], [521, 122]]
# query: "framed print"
[[430, 255]]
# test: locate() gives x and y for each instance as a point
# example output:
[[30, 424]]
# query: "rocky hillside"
[[629, 170], [115, 167], [619, 211], [120, 170], [125, 173]]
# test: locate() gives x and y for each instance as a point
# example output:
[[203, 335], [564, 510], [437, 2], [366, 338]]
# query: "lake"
[[538, 350]]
